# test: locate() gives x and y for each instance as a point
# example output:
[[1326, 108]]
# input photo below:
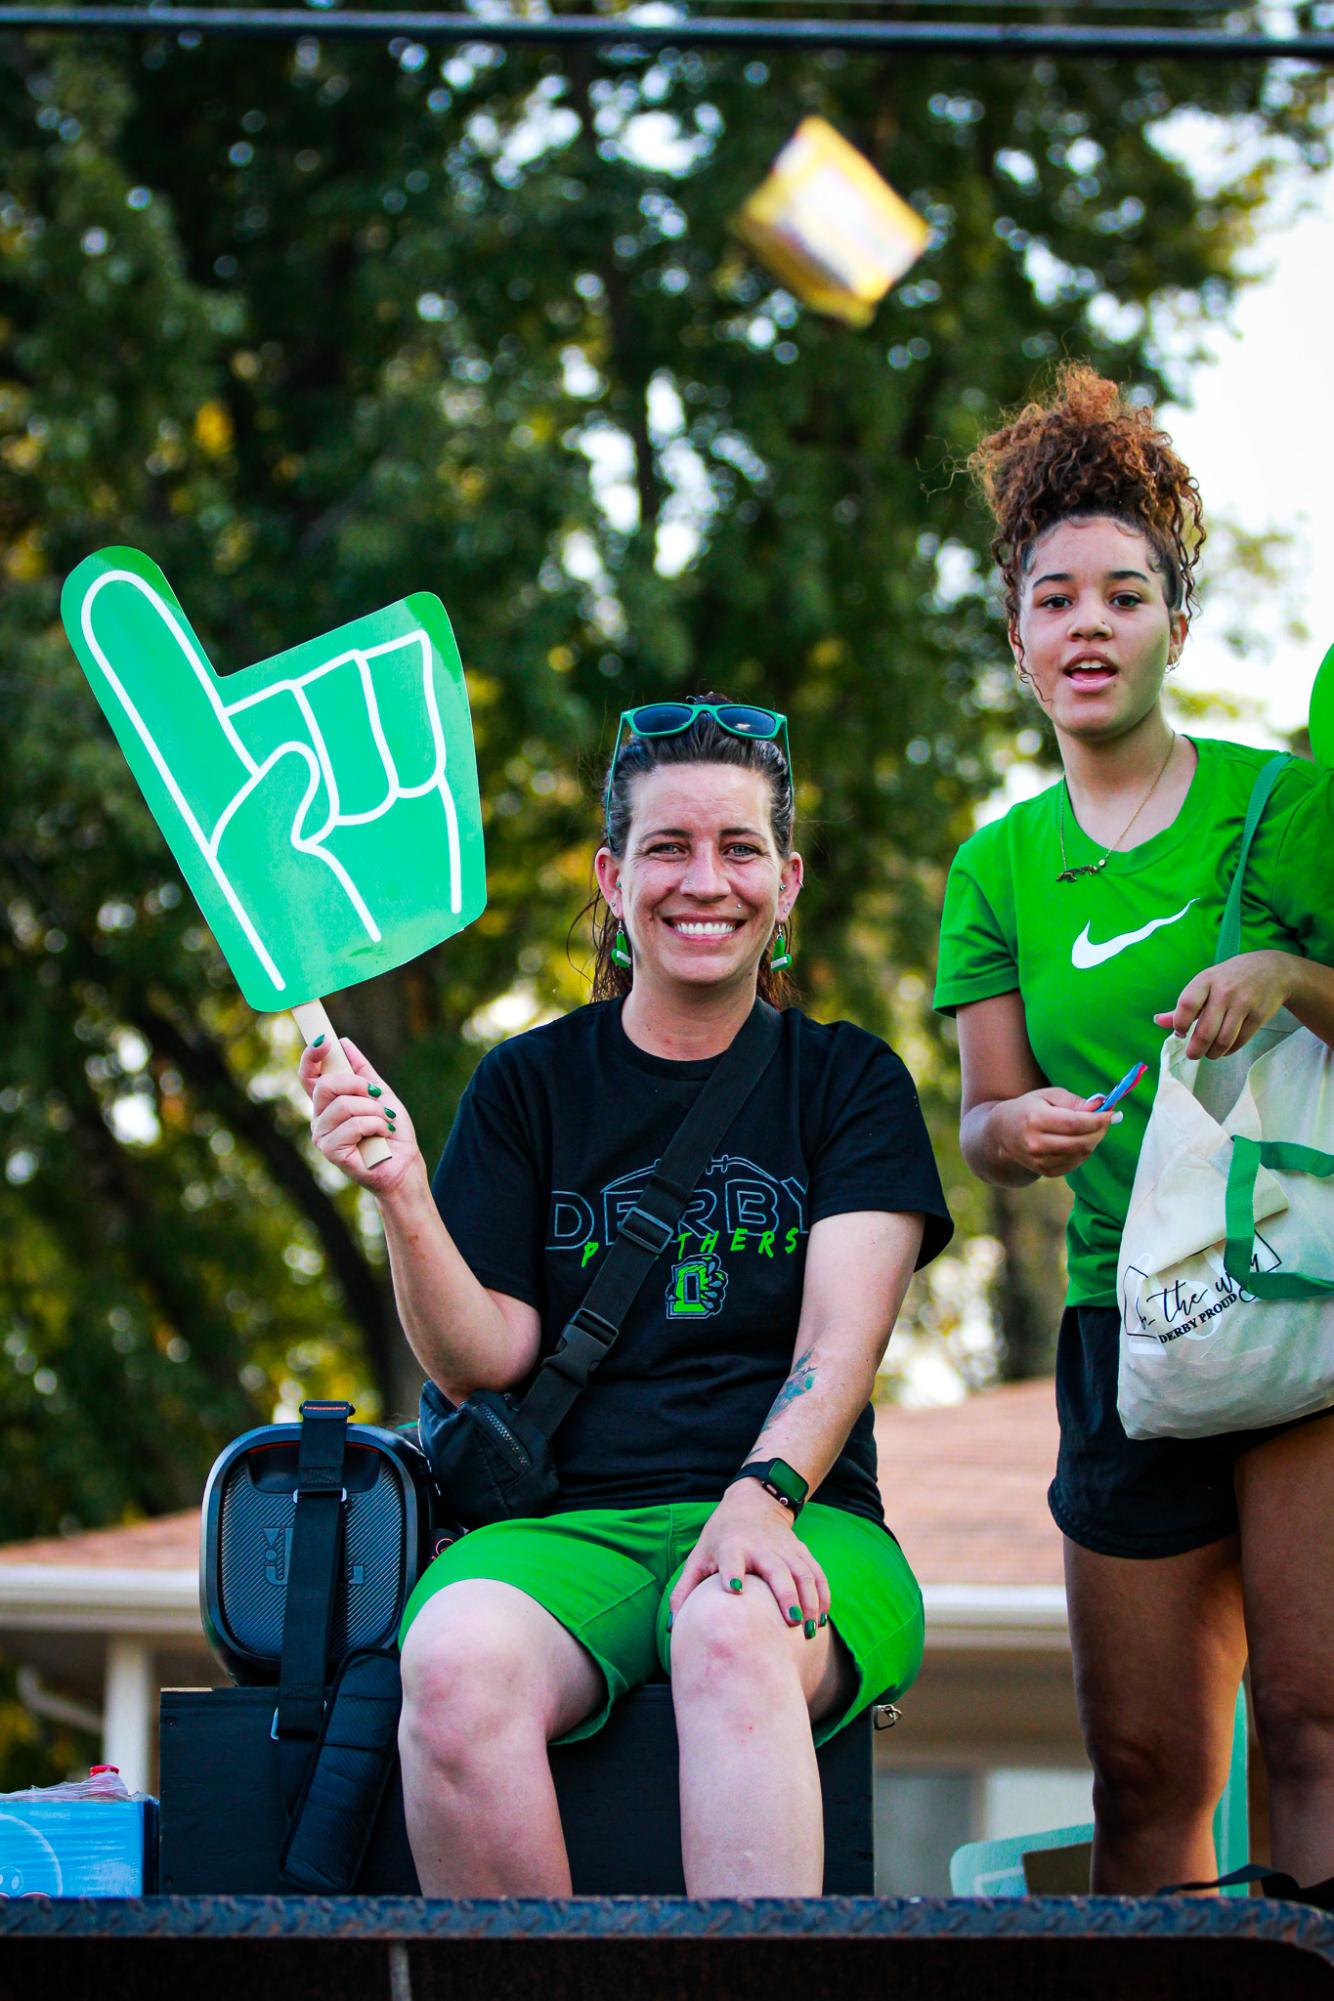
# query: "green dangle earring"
[[620, 948], [780, 958]]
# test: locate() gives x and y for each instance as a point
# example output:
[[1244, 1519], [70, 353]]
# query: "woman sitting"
[[683, 1541]]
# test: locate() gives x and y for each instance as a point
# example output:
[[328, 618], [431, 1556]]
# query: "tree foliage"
[[320, 324]]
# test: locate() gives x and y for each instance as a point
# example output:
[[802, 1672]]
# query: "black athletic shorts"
[[1126, 1496]]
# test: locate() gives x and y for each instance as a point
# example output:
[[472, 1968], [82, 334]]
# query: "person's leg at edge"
[[489, 1678], [747, 1687], [1285, 1497], [1159, 1647]]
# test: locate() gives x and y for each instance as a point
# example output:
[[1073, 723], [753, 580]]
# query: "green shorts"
[[607, 1573]]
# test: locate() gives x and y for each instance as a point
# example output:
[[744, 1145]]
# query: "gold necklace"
[[1069, 874]]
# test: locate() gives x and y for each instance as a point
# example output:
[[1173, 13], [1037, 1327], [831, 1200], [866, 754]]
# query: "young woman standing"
[[1076, 930]]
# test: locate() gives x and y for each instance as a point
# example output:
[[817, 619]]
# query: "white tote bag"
[[1226, 1271]]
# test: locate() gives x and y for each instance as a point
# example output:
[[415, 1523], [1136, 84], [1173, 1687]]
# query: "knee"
[[1295, 1725], [464, 1687], [730, 1647], [1141, 1777]]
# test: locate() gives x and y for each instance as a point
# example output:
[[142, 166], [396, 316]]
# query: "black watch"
[[779, 1479]]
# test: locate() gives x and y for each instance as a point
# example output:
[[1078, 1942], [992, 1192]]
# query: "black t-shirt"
[[557, 1135]]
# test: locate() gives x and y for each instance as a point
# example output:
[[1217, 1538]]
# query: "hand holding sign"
[[322, 805], [354, 1109]]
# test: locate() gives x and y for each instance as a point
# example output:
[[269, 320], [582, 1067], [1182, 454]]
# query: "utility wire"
[[608, 31]]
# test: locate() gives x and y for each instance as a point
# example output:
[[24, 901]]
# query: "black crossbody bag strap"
[[645, 1232], [318, 1505]]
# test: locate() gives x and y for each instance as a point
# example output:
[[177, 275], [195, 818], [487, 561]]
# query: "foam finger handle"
[[313, 1021]]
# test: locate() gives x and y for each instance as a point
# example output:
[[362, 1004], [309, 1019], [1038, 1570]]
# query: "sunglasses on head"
[[652, 719]]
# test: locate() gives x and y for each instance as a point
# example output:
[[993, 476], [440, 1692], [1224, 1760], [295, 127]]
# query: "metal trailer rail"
[[633, 1949]]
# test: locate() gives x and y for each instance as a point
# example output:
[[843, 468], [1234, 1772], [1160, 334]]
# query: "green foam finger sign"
[[322, 805]]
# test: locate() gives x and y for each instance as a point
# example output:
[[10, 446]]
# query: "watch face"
[[787, 1481]]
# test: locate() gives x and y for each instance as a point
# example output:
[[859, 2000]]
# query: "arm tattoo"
[[800, 1379]]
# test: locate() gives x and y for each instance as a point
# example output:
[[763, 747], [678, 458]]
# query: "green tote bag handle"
[[1229, 931], [1250, 1155]]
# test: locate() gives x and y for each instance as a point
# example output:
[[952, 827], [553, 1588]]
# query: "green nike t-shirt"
[[1095, 959]]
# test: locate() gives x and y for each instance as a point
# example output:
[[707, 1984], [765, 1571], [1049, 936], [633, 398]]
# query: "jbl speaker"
[[248, 1513]]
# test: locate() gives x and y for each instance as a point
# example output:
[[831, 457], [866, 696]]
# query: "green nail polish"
[[794, 1614], [824, 1618], [734, 1583], [316, 1043], [809, 1629], [374, 1090], [389, 1112]]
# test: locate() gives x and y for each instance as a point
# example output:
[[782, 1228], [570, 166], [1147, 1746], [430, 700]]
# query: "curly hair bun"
[[1087, 451]]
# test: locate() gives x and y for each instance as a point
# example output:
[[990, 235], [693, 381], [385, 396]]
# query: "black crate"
[[223, 1822]]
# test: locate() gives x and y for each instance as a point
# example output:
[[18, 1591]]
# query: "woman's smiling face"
[[1095, 633], [701, 883]]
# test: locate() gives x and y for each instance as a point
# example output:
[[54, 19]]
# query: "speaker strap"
[[319, 1503], [346, 1774]]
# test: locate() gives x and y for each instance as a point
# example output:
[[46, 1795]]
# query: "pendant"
[[1086, 868]]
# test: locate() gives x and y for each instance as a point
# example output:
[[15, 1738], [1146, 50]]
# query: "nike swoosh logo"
[[1084, 954]]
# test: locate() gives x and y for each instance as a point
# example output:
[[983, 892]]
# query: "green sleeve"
[[977, 954], [1292, 872]]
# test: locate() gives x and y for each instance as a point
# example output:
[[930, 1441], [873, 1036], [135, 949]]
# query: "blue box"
[[78, 1848]]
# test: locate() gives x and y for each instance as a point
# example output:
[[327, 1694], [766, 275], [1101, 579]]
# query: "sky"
[[1258, 434]]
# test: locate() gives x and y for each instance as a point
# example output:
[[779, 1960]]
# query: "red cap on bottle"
[[93, 1770]]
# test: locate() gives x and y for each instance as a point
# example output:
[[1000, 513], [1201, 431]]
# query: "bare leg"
[[1159, 1647], [747, 1687], [489, 1678], [1285, 1492]]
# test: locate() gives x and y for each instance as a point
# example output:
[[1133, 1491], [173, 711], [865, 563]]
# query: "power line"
[[607, 31]]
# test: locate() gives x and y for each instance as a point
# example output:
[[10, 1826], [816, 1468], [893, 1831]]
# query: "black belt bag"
[[488, 1460], [491, 1455]]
